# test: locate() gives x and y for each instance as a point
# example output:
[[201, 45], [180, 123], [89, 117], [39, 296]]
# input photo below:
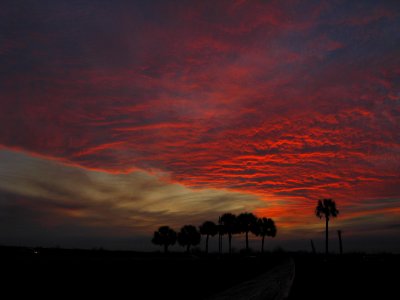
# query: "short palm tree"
[[208, 228], [326, 208], [188, 236], [165, 236], [264, 227], [229, 223], [246, 221]]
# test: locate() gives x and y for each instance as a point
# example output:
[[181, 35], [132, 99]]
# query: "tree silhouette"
[[229, 223], [221, 232], [188, 236], [246, 221], [165, 236], [326, 208], [264, 227], [208, 228]]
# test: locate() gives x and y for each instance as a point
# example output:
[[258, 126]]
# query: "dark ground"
[[352, 276], [56, 273], [52, 273]]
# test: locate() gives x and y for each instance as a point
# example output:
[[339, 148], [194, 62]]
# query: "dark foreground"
[[352, 276], [55, 273]]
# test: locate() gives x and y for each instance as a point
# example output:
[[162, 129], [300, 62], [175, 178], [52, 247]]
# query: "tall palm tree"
[[189, 236], [165, 236], [326, 208], [246, 221], [208, 228], [229, 223], [264, 227]]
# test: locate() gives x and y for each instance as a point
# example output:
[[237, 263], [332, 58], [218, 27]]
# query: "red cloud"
[[249, 96]]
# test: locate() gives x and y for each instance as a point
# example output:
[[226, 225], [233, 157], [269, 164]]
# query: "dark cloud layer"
[[290, 100]]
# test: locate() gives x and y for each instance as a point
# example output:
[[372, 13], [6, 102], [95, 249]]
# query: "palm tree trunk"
[[326, 235], [230, 242], [340, 241], [207, 243], [187, 248], [313, 247], [247, 241], [165, 248], [262, 244]]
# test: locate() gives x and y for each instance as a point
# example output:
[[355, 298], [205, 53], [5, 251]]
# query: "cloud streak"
[[136, 203]]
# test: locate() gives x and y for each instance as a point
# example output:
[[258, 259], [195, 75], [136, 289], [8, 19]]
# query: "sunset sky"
[[117, 117]]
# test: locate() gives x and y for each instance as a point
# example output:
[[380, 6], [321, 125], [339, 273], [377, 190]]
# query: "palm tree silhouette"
[[264, 227], [165, 236], [188, 236], [326, 208], [208, 228], [229, 223], [245, 222]]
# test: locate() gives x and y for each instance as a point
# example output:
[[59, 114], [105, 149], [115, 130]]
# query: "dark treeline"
[[228, 224]]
